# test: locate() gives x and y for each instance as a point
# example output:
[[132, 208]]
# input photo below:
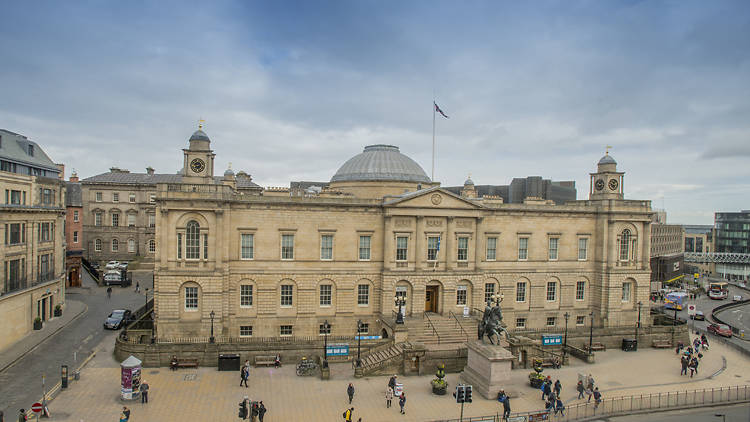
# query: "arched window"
[[192, 240], [152, 246], [624, 244], [98, 245], [115, 245]]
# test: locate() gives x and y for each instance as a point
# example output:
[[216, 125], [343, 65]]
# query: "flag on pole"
[[437, 108], [438, 244]]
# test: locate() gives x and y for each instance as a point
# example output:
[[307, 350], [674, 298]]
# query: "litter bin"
[[629, 345], [229, 362]]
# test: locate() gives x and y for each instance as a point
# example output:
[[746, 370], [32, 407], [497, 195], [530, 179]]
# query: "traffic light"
[[459, 394], [242, 414], [467, 394]]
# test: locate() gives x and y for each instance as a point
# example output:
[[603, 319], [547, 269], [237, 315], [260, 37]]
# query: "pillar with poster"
[[130, 378]]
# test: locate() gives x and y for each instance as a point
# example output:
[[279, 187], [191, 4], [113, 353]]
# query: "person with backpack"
[[261, 411], [597, 397], [402, 402], [580, 389], [349, 414], [243, 376], [559, 407], [558, 388], [506, 407]]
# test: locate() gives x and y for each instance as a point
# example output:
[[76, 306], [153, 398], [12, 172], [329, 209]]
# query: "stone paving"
[[206, 394]]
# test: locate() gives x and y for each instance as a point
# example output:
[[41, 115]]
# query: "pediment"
[[434, 198]]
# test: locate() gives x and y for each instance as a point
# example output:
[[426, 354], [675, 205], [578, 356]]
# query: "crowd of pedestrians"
[[253, 410], [690, 357]]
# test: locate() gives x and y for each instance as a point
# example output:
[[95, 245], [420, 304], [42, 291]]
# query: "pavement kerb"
[[83, 311], [657, 410], [52, 393]]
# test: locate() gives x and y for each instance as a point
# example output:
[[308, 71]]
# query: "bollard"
[[64, 376]]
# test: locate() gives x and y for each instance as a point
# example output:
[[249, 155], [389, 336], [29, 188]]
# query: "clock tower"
[[198, 166], [606, 183]]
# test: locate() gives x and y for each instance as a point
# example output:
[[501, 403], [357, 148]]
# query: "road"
[[737, 413], [21, 384]]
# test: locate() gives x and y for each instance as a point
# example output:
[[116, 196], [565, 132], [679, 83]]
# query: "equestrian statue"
[[491, 323]]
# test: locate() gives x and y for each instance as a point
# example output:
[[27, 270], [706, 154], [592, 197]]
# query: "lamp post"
[[326, 327], [565, 341], [359, 341], [591, 332], [399, 302], [638, 325], [212, 315]]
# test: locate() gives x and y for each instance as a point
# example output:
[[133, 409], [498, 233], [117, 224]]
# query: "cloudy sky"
[[291, 90]]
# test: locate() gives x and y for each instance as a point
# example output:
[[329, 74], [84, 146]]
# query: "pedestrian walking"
[[109, 292], [506, 408], [22, 415], [589, 393], [388, 397], [137, 287], [558, 388], [580, 389], [546, 391], [243, 376], [144, 392], [261, 411], [348, 414], [696, 362], [254, 412], [684, 363], [402, 402], [350, 392], [559, 407], [590, 382], [597, 397], [392, 383]]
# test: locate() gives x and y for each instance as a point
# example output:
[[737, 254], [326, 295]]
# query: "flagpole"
[[433, 140]]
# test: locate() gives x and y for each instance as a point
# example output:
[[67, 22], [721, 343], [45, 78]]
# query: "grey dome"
[[199, 135], [381, 162], [229, 173], [469, 182], [607, 159]]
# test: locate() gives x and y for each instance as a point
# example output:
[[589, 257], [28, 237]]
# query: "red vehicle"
[[720, 330]]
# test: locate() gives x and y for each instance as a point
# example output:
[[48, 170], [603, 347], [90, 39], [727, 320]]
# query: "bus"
[[675, 300], [717, 290]]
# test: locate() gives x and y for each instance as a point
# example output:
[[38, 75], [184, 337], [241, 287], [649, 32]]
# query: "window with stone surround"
[[523, 248], [192, 240], [325, 294], [433, 245], [364, 247], [521, 291], [461, 293], [489, 291], [326, 247], [152, 246], [626, 291], [363, 294], [287, 246], [520, 322], [191, 298], [324, 329], [98, 245], [115, 220], [580, 320], [491, 248], [553, 243], [402, 247], [131, 245], [551, 291], [287, 291], [97, 219], [285, 330], [98, 196], [115, 245], [246, 295], [624, 245], [363, 328], [246, 330], [580, 290], [583, 246], [246, 241], [551, 321], [131, 220], [131, 198], [115, 197], [463, 249]]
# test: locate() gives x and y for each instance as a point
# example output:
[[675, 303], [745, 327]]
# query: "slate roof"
[[381, 162], [73, 196], [15, 147], [123, 178], [607, 159]]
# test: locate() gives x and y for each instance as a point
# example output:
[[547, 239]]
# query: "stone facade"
[[311, 258]]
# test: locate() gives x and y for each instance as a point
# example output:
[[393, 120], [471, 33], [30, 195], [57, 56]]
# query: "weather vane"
[[200, 123], [607, 148]]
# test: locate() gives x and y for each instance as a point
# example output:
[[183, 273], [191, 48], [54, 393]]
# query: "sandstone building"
[[280, 262]]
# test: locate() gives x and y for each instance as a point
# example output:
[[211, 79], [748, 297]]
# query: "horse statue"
[[491, 323]]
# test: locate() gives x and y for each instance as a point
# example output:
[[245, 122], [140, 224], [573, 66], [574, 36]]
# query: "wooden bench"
[[265, 360], [187, 363], [595, 347], [662, 344]]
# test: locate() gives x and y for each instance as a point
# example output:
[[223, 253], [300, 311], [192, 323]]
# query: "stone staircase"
[[384, 356], [439, 329]]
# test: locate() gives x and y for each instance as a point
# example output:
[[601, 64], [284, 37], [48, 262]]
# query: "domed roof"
[[381, 162], [228, 173], [199, 135], [607, 159], [469, 182]]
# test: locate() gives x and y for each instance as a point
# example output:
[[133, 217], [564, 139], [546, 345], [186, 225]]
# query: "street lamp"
[[326, 327], [399, 302], [638, 325], [591, 332], [565, 342], [212, 315], [359, 341]]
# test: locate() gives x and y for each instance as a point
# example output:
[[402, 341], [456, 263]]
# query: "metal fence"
[[672, 400]]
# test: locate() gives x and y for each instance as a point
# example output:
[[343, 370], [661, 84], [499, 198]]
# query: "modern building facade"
[[732, 231], [521, 189], [32, 253], [667, 253], [73, 231], [273, 263]]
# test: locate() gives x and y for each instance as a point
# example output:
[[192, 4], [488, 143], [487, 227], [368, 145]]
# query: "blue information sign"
[[551, 339], [367, 337], [338, 350]]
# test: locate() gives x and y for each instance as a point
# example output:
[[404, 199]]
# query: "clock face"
[[197, 165], [599, 184], [613, 183]]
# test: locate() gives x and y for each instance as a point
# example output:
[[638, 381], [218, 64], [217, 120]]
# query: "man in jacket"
[[350, 392], [580, 389], [261, 411], [349, 414], [506, 407], [402, 402], [144, 392]]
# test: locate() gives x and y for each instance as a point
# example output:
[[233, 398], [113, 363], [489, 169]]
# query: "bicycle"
[[306, 367]]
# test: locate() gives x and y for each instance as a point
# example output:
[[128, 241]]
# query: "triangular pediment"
[[435, 198]]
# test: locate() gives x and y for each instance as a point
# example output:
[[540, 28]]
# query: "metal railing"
[[434, 330], [624, 405], [450, 313], [12, 286]]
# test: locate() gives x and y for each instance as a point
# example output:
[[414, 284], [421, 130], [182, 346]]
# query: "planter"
[[37, 325], [440, 391], [58, 312], [536, 382]]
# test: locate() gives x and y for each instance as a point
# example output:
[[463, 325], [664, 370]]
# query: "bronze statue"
[[491, 323]]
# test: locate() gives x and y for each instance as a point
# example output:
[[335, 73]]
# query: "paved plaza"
[[209, 395]]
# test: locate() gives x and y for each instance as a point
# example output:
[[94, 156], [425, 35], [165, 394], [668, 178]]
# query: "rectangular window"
[[246, 330], [580, 320], [205, 246], [44, 235], [364, 248], [463, 249], [131, 198], [115, 245], [152, 246], [131, 220], [626, 291], [520, 322], [247, 246], [551, 321], [191, 298], [75, 216], [131, 245], [583, 245], [47, 196], [324, 329], [433, 245], [14, 198], [363, 328], [523, 248], [521, 291], [115, 197], [75, 237], [286, 295], [44, 266], [326, 247], [553, 241], [402, 247], [13, 233], [491, 248], [461, 296], [179, 245], [489, 291], [285, 330], [98, 197], [97, 219], [551, 291], [287, 246], [580, 290], [152, 220], [325, 295], [363, 294], [246, 295], [115, 220], [98, 245]]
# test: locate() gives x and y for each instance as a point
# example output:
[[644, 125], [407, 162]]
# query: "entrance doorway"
[[431, 299]]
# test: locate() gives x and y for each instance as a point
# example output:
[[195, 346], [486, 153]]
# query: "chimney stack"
[[150, 170]]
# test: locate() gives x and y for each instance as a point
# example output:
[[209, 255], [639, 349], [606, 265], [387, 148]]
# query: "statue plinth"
[[488, 368]]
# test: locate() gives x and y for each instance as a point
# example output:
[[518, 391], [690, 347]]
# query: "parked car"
[[113, 265], [112, 277], [123, 265], [720, 330], [737, 298], [698, 315], [117, 319]]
